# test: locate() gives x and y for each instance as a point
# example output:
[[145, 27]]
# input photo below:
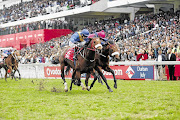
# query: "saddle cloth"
[[69, 54]]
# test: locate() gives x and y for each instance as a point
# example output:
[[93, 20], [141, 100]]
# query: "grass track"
[[26, 100]]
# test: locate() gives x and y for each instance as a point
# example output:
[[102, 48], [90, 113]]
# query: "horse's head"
[[95, 44], [113, 50]]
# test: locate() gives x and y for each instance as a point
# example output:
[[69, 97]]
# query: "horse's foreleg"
[[63, 77], [108, 69], [95, 78], [78, 77], [86, 81], [104, 79]]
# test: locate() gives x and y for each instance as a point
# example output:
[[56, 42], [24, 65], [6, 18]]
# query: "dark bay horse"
[[102, 61], [11, 63], [85, 61]]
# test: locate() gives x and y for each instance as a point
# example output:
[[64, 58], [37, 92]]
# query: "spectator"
[[160, 68], [177, 68], [171, 57]]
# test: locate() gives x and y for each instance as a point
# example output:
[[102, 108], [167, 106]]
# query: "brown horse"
[[102, 61], [85, 61], [11, 63]]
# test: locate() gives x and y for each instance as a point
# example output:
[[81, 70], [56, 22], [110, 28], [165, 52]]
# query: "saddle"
[[70, 53]]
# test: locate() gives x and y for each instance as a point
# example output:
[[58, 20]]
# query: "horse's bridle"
[[92, 48]]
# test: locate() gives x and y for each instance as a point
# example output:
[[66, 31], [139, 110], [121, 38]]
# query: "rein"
[[84, 48]]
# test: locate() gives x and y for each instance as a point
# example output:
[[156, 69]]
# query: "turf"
[[45, 99]]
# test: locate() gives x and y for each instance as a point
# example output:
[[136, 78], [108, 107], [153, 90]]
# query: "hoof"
[[115, 86], [88, 88], [20, 78], [110, 90], [65, 90], [84, 88]]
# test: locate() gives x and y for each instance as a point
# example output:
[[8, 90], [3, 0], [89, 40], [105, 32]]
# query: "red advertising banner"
[[24, 39], [55, 71], [121, 72]]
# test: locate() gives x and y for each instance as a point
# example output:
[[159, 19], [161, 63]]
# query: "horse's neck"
[[90, 55], [105, 52]]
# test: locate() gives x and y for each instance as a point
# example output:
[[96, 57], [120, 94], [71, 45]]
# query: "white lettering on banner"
[[0, 40], [40, 35], [4, 40], [142, 68], [116, 72], [11, 39], [53, 72], [21, 37], [7, 39], [29, 36], [142, 75]]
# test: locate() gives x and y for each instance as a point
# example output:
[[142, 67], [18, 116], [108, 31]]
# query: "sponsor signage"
[[121, 72], [55, 71]]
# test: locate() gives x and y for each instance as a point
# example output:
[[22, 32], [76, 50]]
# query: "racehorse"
[[11, 63], [85, 61], [102, 61]]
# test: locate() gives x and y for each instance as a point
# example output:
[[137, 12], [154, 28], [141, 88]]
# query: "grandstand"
[[122, 21]]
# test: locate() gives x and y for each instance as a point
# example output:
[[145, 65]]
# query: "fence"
[[123, 70]]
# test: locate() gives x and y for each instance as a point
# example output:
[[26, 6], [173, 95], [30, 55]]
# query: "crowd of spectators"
[[45, 24], [138, 40], [36, 8]]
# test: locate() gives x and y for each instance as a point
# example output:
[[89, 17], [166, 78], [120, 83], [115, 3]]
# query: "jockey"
[[101, 35], [5, 53], [78, 39]]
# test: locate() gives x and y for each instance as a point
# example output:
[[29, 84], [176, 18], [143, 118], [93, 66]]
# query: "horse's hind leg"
[[73, 79], [6, 76], [63, 77], [78, 77], [19, 74], [104, 79]]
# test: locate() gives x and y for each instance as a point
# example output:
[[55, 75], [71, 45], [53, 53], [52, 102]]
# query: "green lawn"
[[44, 99]]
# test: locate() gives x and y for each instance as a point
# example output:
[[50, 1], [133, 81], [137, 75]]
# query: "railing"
[[38, 70]]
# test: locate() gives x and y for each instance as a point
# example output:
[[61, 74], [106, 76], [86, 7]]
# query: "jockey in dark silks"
[[101, 35], [78, 39]]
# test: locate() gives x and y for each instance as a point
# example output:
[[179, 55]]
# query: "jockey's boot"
[[75, 55]]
